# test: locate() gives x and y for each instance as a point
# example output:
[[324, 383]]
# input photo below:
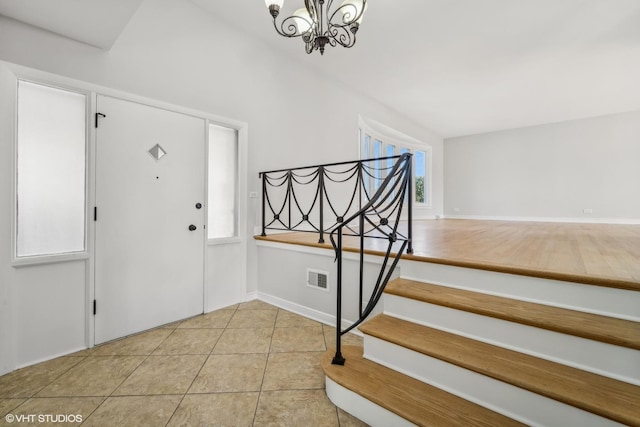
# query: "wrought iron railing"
[[363, 199]]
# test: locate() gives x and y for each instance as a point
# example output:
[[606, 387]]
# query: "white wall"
[[552, 171], [48, 303], [42, 306], [7, 97], [176, 53], [287, 287]]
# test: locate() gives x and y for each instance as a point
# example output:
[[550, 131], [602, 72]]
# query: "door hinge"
[[95, 213], [98, 115], [95, 305]]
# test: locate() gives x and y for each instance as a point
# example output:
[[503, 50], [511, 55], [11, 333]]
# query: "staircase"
[[463, 356]]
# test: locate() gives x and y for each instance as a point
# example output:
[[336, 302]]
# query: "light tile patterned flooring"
[[251, 364]]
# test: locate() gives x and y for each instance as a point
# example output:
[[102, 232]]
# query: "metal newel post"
[[361, 279], [338, 359], [410, 213], [289, 196], [264, 201], [321, 195]]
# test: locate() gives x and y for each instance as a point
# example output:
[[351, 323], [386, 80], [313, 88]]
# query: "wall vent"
[[318, 279]]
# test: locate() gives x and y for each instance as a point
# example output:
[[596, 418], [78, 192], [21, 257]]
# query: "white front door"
[[150, 237]]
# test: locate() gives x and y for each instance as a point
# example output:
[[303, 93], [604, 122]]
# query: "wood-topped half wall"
[[595, 254]]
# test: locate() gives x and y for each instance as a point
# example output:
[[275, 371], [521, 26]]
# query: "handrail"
[[281, 201], [400, 176], [349, 162], [298, 198]]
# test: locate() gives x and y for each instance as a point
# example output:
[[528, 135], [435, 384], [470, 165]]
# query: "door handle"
[[192, 227]]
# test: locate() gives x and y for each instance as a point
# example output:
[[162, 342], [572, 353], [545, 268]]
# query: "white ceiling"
[[95, 22], [456, 66]]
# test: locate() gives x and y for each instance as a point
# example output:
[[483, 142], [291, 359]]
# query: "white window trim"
[[224, 241], [22, 261], [49, 259], [241, 182], [390, 136]]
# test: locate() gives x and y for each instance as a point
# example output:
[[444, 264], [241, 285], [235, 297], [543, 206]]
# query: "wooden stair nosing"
[[420, 403], [600, 395], [605, 329]]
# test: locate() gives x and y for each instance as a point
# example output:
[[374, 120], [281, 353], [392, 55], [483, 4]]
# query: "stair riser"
[[618, 303], [362, 408], [514, 402], [616, 362]]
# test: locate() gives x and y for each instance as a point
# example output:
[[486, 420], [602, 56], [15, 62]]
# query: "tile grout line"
[[264, 374], [201, 367], [144, 360], [271, 352], [32, 396], [130, 373]]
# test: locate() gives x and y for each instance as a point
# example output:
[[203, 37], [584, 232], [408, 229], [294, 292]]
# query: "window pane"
[[51, 170], [420, 176], [223, 166], [365, 147], [377, 173], [390, 151]]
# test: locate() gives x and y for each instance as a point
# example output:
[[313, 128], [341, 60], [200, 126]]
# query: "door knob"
[[192, 227]]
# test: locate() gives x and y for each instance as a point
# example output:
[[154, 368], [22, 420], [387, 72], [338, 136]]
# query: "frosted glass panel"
[[51, 170], [223, 161]]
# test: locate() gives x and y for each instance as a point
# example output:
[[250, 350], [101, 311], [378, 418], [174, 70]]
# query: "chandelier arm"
[[288, 27], [342, 36], [350, 14], [321, 15], [312, 8], [347, 11]]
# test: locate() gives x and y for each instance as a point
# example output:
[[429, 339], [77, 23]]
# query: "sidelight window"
[[51, 171], [223, 182]]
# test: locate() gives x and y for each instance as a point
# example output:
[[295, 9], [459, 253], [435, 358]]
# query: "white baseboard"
[[310, 313], [47, 358], [579, 220], [250, 296]]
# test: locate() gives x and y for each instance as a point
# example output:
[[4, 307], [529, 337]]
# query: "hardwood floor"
[[596, 254]]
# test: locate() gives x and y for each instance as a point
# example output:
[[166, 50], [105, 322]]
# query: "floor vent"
[[318, 279]]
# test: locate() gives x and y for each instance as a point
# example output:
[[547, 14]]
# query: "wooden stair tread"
[[600, 395], [605, 329], [420, 403]]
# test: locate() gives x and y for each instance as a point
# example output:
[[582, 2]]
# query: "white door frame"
[[242, 129], [93, 90]]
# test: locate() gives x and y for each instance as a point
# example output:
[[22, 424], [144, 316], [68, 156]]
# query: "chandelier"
[[319, 24]]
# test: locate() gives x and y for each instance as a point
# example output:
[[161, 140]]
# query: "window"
[[378, 173], [385, 146], [51, 171], [420, 163], [223, 189]]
